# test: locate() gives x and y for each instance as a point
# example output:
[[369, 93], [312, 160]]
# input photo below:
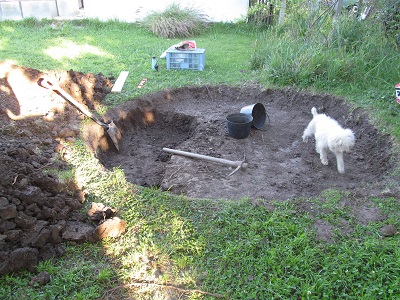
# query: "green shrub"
[[175, 22], [391, 20]]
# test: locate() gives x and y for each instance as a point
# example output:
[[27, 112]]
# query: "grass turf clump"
[[175, 21]]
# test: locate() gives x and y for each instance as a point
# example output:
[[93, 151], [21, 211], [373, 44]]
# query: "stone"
[[3, 202], [38, 235], [24, 221], [56, 202], [47, 252], [73, 203], [55, 232], [48, 213], [98, 212], [8, 212], [6, 225], [110, 228], [40, 279], [31, 194], [78, 232], [25, 258], [13, 235], [388, 230], [48, 183]]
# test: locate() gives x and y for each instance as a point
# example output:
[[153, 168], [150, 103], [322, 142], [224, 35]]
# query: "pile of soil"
[[39, 211]]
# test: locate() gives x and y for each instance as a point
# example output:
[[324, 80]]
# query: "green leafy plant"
[[391, 20]]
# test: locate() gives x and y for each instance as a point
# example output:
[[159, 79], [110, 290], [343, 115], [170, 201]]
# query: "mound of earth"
[[38, 211]]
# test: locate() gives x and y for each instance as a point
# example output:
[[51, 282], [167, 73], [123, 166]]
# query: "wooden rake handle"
[[238, 164]]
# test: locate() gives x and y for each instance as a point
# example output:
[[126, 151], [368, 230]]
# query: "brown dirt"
[[281, 166], [38, 211]]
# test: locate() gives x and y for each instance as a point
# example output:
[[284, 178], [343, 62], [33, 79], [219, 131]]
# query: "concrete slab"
[[10, 11], [68, 8], [39, 9]]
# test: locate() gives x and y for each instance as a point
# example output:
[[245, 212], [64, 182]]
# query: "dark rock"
[[63, 213], [47, 252], [20, 259], [388, 230], [48, 213], [59, 249], [37, 236], [13, 236], [48, 183], [36, 164], [34, 205], [78, 232], [22, 154], [73, 203], [31, 194], [42, 238], [23, 183], [77, 216], [3, 202], [15, 201], [57, 201], [55, 232], [8, 212], [98, 212], [32, 209], [40, 279], [6, 225], [3, 244], [24, 221]]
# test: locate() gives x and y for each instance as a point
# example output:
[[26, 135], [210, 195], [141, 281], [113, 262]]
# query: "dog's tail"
[[314, 111]]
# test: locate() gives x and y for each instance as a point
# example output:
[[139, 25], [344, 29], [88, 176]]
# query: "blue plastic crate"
[[186, 59]]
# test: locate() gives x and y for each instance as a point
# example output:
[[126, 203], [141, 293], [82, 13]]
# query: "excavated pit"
[[281, 166], [141, 156]]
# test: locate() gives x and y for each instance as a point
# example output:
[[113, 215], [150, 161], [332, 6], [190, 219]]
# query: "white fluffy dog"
[[329, 135]]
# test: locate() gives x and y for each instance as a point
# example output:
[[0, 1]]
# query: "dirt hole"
[[142, 158], [281, 165]]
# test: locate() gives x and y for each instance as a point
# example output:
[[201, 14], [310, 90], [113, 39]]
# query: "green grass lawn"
[[208, 249]]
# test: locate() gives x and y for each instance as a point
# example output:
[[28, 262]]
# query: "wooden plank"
[[142, 82], [117, 88]]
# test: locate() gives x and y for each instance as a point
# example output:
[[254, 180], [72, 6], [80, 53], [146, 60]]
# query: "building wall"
[[123, 10], [134, 10], [19, 9]]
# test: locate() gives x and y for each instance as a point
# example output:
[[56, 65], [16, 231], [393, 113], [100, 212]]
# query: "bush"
[[391, 20], [175, 21]]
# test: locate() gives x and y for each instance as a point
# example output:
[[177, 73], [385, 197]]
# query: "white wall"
[[16, 10], [134, 10]]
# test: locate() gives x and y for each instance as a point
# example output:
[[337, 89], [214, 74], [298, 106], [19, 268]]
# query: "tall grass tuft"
[[176, 21]]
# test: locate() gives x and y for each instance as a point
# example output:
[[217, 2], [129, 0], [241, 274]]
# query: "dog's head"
[[343, 141]]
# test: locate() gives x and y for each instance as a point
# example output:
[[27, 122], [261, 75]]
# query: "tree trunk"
[[282, 12]]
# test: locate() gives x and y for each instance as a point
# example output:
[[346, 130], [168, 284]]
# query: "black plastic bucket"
[[258, 112], [239, 125]]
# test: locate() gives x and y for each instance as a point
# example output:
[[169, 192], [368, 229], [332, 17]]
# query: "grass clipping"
[[176, 22]]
